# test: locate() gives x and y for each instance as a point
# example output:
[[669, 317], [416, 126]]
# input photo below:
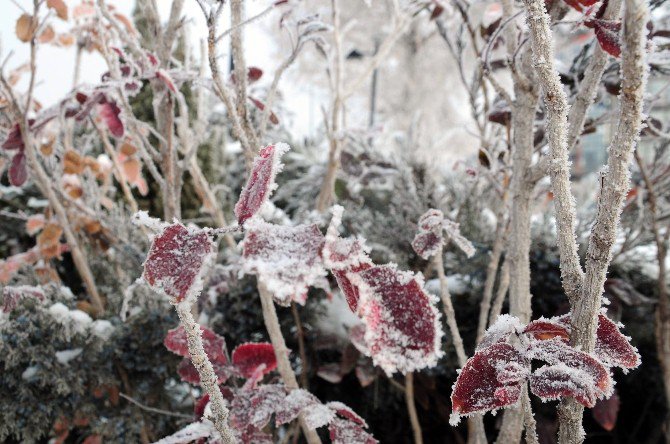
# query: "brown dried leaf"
[[25, 27], [47, 35], [72, 163], [60, 7]]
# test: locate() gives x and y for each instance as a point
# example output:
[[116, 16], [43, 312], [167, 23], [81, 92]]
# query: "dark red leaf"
[[613, 348], [350, 291], [346, 412], [189, 373], [256, 407], [109, 112], [293, 404], [403, 331], [18, 170], [261, 106], [543, 329], [605, 412], [14, 140], [177, 261], [437, 11], [165, 78], [200, 405], [479, 387], [607, 34], [248, 357], [214, 345], [429, 240], [560, 381], [261, 181], [557, 353], [348, 432], [286, 259]]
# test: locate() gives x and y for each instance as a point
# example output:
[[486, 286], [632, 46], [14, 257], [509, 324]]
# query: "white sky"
[[55, 65]]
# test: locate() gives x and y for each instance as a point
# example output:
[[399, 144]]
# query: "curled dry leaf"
[[429, 240], [60, 7]]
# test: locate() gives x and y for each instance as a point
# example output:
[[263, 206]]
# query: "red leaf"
[[189, 373], [248, 357], [345, 258], [200, 405], [543, 329], [261, 106], [286, 259], [109, 112], [18, 171], [14, 140], [346, 412], [605, 412], [256, 407], [348, 432], [607, 34], [613, 348], [556, 352], [559, 381], [254, 74], [177, 261], [429, 240], [437, 11], [214, 345], [261, 181], [293, 404], [479, 387], [403, 330]]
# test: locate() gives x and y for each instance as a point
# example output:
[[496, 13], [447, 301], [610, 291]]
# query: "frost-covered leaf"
[[403, 330], [250, 356], [214, 345], [454, 234], [286, 259], [486, 382], [190, 433], [12, 296], [346, 412], [110, 114], [543, 329], [605, 412], [177, 261], [14, 140], [318, 415], [200, 406], [607, 34], [586, 367], [504, 327], [348, 432], [429, 240], [188, 373], [560, 381], [261, 181], [612, 347], [345, 258], [293, 404], [18, 170], [256, 407]]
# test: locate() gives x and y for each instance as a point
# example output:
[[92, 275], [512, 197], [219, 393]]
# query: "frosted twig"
[[615, 185], [281, 353], [153, 409], [208, 379]]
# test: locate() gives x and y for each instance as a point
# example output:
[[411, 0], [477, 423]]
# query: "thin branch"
[[153, 409], [411, 408]]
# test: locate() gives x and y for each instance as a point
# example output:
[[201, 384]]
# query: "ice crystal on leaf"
[[429, 240], [607, 34], [579, 5], [345, 258], [612, 347], [558, 381], [286, 259], [261, 181], [403, 330], [480, 386], [293, 404], [247, 358], [110, 114], [177, 261], [190, 433], [347, 432], [504, 327], [256, 407], [430, 236]]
